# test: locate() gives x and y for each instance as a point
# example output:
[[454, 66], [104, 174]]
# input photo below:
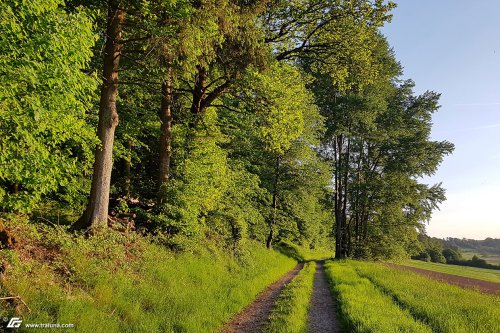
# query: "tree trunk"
[[128, 173], [339, 222], [269, 240], [346, 242], [166, 133], [96, 214], [339, 237], [270, 237], [197, 105]]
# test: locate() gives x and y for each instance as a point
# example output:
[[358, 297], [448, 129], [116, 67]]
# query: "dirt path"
[[253, 318], [483, 286], [323, 310]]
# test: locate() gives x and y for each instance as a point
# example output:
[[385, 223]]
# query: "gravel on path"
[[323, 308]]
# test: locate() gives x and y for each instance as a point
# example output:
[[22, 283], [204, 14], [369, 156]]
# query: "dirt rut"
[[254, 317]]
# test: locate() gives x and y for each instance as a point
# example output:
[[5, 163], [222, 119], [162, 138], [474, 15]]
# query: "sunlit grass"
[[445, 308], [363, 308], [290, 311], [118, 283]]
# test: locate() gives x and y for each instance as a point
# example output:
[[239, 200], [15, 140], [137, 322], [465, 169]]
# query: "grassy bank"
[[125, 283], [491, 275], [291, 308], [363, 307]]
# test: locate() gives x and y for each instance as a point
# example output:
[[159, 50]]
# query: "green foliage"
[[282, 103], [332, 37], [200, 182], [290, 312], [431, 249], [378, 142], [301, 253], [44, 97]]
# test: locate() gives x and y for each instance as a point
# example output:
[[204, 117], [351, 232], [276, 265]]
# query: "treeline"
[[224, 120], [449, 251], [487, 246]]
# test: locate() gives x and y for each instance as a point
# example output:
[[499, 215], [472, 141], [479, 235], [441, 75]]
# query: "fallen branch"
[[18, 298]]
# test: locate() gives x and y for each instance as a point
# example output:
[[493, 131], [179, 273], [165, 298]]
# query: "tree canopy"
[[278, 121]]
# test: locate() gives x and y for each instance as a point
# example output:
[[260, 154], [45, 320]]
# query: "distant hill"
[[488, 249]]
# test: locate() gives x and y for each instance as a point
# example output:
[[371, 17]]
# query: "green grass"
[[491, 275], [124, 283], [290, 311], [363, 308], [445, 308]]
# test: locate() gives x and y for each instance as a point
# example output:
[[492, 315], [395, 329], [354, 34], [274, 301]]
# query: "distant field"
[[490, 258], [465, 271]]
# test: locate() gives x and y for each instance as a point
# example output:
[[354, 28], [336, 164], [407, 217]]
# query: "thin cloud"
[[476, 104], [484, 127]]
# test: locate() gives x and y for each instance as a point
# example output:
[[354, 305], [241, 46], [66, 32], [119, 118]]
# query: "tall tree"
[[287, 123], [214, 45], [378, 142], [96, 213]]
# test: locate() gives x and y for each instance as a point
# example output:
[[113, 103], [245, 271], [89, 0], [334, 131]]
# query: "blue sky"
[[453, 47]]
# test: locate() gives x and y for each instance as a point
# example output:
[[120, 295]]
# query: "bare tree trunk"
[[166, 132], [96, 214]]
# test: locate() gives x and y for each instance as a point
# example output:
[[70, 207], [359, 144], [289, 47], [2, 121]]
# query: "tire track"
[[254, 317], [323, 308]]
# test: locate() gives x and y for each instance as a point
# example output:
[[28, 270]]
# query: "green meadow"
[[485, 274], [375, 298]]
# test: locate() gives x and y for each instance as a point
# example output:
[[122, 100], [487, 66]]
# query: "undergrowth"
[[114, 282]]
